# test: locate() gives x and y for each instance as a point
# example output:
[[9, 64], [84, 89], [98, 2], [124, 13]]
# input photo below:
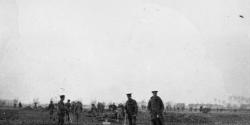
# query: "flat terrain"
[[41, 117]]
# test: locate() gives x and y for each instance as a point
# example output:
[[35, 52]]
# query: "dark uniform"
[[156, 107], [51, 110], [77, 110], [131, 110], [61, 111], [68, 107], [20, 105]]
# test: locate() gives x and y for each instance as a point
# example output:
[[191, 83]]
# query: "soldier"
[[156, 108], [114, 107], [68, 106], [20, 105], [51, 110], [77, 110], [120, 112], [93, 109], [131, 109], [201, 108], [61, 110], [100, 107]]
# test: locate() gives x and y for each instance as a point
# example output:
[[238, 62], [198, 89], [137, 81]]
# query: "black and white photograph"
[[124, 62]]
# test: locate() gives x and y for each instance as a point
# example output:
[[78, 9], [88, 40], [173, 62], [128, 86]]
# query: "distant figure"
[[61, 110], [51, 110], [156, 108], [112, 107], [15, 105], [201, 108], [100, 107], [93, 109], [120, 112], [73, 104], [15, 101], [20, 105], [131, 109], [68, 107], [77, 110]]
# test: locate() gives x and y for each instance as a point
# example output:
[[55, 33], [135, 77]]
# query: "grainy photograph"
[[124, 62]]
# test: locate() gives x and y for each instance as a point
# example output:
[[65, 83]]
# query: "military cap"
[[155, 91], [62, 96], [129, 94]]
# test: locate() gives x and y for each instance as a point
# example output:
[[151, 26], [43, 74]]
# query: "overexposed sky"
[[191, 51]]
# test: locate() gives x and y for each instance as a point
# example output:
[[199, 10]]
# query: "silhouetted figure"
[[131, 109], [156, 108], [114, 107], [51, 109], [93, 109], [120, 112], [35, 105], [201, 108], [77, 110], [100, 107], [15, 101], [20, 105], [61, 110], [68, 107]]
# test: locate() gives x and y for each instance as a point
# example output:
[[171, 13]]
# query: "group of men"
[[63, 109], [155, 108]]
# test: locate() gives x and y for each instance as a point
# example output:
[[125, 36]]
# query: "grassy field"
[[32, 117]]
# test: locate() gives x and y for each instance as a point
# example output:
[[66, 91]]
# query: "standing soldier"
[[68, 107], [131, 109], [20, 105], [120, 112], [77, 110], [93, 109], [156, 108], [61, 110], [51, 110]]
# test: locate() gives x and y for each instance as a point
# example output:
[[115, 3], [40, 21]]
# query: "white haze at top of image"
[[191, 51]]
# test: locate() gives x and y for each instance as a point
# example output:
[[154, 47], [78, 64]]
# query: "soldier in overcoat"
[[156, 108], [51, 110], [131, 109], [61, 110]]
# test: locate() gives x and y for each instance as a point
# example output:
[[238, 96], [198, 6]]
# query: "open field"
[[32, 117]]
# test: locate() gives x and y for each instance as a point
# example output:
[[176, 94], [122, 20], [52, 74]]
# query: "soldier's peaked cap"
[[155, 91], [62, 96], [129, 94]]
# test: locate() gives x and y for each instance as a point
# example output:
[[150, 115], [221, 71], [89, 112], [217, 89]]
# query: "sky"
[[190, 51]]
